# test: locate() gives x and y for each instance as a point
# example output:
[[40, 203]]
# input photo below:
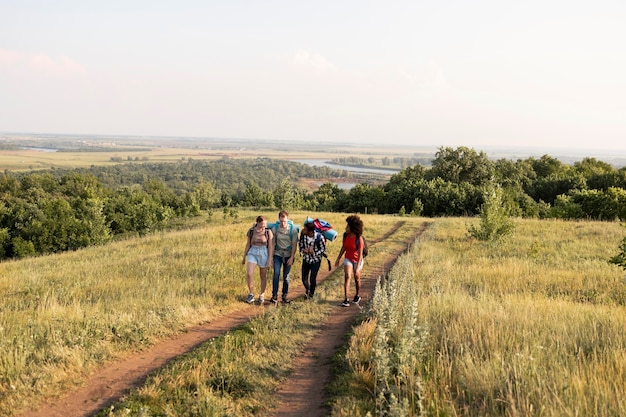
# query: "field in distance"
[[35, 152]]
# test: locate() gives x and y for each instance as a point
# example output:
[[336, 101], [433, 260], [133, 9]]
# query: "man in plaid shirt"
[[312, 247]]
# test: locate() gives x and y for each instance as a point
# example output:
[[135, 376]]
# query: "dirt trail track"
[[304, 391]]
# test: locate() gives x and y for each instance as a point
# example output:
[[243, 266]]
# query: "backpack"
[[365, 246], [318, 237], [274, 226], [323, 227], [251, 231]]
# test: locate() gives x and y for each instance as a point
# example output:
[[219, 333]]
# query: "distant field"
[[76, 152]]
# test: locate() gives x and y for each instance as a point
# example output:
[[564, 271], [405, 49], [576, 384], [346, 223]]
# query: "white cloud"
[[305, 59], [15, 61], [428, 78]]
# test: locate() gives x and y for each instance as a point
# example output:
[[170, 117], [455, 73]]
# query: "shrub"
[[494, 219]]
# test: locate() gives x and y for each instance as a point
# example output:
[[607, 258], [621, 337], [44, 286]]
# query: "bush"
[[620, 258], [494, 219]]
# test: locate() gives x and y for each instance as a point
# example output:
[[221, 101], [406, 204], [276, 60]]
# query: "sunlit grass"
[[531, 326], [240, 372], [62, 315]]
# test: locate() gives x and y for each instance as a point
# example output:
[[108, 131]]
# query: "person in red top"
[[353, 262]]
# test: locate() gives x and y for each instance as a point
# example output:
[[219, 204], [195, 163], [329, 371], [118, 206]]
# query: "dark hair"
[[283, 213], [310, 226], [356, 224], [260, 219]]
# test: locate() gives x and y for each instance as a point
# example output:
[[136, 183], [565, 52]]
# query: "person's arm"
[[341, 252], [270, 246], [245, 251], [294, 246], [301, 245], [360, 258]]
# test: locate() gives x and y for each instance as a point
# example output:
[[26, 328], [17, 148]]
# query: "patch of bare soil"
[[303, 394]]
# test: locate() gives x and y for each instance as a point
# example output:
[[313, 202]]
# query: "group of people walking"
[[276, 245]]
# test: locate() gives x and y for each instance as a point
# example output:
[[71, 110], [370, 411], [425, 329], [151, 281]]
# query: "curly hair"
[[355, 223]]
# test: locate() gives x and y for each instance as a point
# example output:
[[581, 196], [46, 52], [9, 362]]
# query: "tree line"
[[58, 210]]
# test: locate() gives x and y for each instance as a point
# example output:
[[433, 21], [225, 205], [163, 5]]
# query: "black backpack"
[[365, 246], [318, 237]]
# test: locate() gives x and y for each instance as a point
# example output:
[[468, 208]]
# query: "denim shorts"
[[258, 255], [347, 262]]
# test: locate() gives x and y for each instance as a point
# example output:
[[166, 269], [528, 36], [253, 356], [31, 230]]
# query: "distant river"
[[323, 163], [32, 148]]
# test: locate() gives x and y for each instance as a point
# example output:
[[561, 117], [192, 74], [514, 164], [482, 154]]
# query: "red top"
[[349, 243]]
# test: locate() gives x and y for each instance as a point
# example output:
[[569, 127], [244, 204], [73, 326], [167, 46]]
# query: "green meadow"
[[63, 315], [533, 325]]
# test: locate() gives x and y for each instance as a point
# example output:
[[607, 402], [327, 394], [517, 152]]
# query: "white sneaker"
[[262, 299], [250, 299]]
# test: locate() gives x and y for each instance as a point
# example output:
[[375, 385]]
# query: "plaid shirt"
[[317, 242]]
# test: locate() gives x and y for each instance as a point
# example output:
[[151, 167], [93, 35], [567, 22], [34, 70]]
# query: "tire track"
[[304, 392], [113, 380]]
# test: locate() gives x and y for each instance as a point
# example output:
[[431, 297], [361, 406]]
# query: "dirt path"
[[305, 394]]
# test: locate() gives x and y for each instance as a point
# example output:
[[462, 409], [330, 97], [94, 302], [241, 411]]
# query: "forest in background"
[[55, 210]]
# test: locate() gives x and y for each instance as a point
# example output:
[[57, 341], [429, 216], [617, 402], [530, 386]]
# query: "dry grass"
[[531, 326], [63, 315]]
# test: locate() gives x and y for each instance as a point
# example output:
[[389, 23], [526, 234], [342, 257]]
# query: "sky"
[[534, 73]]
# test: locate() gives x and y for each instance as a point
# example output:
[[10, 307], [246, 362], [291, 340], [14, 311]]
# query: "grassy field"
[[164, 150], [63, 315], [533, 326]]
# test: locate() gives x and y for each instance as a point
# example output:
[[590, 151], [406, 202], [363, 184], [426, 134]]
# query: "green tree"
[[254, 196], [589, 167], [462, 165], [286, 196], [5, 240], [325, 197], [547, 166], [364, 198], [494, 219], [205, 195]]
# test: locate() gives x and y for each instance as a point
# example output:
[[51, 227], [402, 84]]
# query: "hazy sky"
[[548, 73]]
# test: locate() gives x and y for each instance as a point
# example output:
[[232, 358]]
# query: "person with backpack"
[[312, 247], [258, 252], [352, 247], [285, 245]]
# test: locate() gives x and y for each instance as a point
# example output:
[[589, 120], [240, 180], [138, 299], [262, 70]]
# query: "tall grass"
[[384, 354], [240, 372], [532, 326], [232, 375], [63, 315]]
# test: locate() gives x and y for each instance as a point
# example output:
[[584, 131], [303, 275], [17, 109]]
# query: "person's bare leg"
[[263, 275], [357, 281], [347, 272], [250, 275]]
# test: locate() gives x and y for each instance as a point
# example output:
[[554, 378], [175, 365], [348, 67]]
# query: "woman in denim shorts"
[[258, 252], [353, 263]]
